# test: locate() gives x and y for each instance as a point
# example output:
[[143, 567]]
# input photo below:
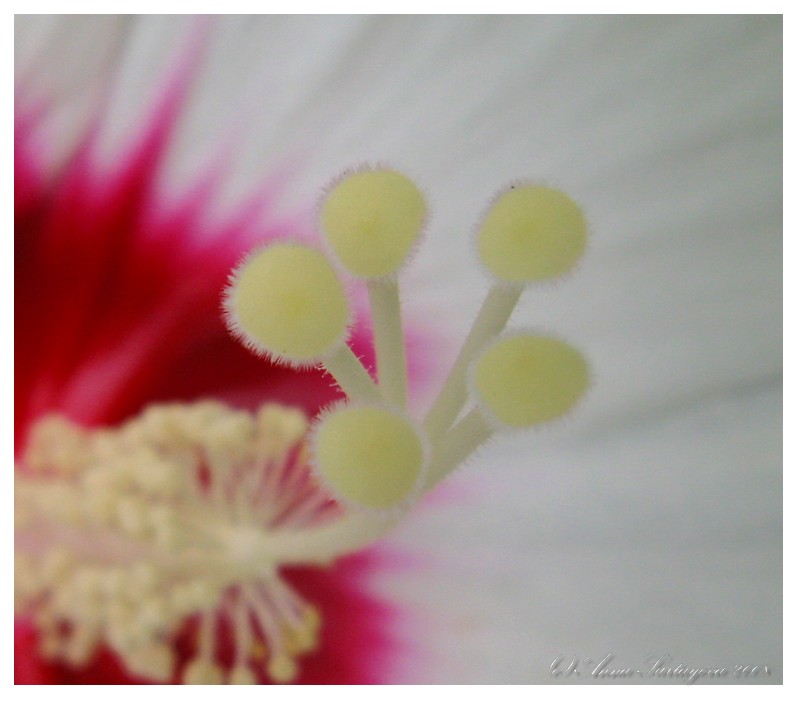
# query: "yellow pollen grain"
[[282, 669], [135, 598]]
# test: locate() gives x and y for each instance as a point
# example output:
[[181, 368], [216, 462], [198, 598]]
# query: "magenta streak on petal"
[[117, 306]]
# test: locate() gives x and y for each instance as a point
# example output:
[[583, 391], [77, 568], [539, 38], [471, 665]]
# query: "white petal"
[[62, 66], [661, 537]]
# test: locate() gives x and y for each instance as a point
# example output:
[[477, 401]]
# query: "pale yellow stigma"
[[373, 455], [524, 379], [372, 220], [287, 301], [123, 534], [531, 233], [369, 456]]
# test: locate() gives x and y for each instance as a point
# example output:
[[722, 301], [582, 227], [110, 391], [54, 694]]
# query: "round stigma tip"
[[524, 380], [286, 300], [531, 233], [368, 456], [372, 220]]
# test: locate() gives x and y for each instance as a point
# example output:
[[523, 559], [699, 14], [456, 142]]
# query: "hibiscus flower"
[[167, 547], [668, 131]]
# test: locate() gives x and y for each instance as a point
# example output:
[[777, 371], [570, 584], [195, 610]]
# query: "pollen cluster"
[[125, 534]]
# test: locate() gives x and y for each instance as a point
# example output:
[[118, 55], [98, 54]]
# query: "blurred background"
[[646, 524]]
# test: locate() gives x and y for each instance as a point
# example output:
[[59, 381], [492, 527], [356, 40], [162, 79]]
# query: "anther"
[[108, 555]]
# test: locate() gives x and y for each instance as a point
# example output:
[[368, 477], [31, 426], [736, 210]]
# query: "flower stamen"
[[133, 530]]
